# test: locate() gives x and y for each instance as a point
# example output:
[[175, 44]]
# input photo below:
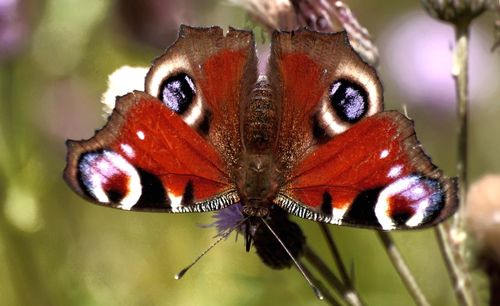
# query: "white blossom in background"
[[122, 81]]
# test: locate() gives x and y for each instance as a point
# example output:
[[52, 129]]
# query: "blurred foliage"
[[55, 249]]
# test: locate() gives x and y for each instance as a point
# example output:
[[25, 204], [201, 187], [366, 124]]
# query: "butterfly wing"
[[223, 70], [375, 175], [171, 149], [147, 158], [343, 160], [305, 67]]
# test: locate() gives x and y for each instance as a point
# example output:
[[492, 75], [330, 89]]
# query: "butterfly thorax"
[[257, 184], [260, 122]]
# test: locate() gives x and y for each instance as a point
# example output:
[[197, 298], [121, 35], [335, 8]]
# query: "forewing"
[[172, 148], [309, 73], [222, 70]]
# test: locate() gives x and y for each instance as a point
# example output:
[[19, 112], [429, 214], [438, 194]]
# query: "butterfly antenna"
[[216, 242], [317, 292]]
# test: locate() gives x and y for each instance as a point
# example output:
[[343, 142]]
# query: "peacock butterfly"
[[309, 138]]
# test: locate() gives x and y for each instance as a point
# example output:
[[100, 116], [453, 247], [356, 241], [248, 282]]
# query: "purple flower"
[[227, 219]]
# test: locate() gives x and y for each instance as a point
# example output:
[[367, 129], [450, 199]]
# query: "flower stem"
[[403, 270], [349, 295], [346, 279], [460, 279], [450, 240], [461, 77], [326, 293]]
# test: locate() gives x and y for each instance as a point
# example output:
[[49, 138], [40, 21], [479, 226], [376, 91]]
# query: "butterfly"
[[308, 138]]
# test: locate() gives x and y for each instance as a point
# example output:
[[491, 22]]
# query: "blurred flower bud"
[[334, 16], [318, 15], [483, 215], [483, 221], [14, 27], [496, 43], [455, 11], [271, 14], [22, 210]]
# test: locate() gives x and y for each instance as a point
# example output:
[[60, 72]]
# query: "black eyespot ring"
[[178, 92], [349, 100]]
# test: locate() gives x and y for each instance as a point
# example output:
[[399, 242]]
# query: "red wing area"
[[223, 69], [374, 175], [147, 158], [301, 90], [303, 67], [226, 82]]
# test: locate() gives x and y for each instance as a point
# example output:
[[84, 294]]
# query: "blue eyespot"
[[178, 92], [349, 100]]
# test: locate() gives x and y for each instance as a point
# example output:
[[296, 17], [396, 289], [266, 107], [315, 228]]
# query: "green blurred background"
[[56, 249]]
